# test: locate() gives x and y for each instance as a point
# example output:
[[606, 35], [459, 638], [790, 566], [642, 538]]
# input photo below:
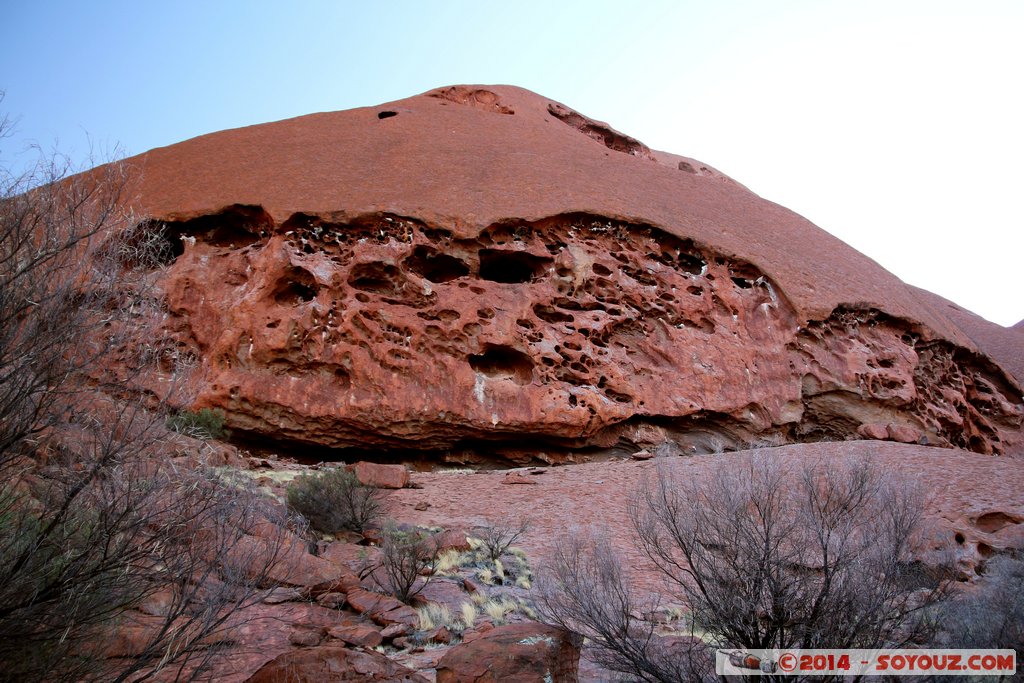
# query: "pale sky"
[[894, 125]]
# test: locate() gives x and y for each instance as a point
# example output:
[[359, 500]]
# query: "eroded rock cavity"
[[575, 332]]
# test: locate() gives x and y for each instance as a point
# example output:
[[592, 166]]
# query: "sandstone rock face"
[[518, 653], [478, 264], [331, 663]]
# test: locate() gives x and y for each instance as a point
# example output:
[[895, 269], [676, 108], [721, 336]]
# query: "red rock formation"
[[480, 263], [333, 663], [518, 653]]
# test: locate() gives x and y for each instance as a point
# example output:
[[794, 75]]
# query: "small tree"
[[95, 516], [585, 590], [497, 537], [768, 558], [405, 557], [335, 500], [989, 616]]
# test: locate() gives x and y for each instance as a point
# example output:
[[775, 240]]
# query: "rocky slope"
[[481, 269]]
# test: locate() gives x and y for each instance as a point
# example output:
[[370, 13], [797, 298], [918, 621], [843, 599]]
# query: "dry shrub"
[[764, 557], [334, 500], [407, 556]]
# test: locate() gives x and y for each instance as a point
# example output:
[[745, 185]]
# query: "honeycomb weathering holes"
[[377, 278], [503, 362], [295, 286], [432, 265], [499, 265]]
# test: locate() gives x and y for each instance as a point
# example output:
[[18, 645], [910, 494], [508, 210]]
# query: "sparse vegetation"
[[96, 518], [989, 616], [334, 500], [407, 556], [497, 537], [763, 557], [205, 423], [433, 614], [497, 610], [469, 614]]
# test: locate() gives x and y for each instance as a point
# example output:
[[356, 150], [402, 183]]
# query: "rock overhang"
[[439, 176]]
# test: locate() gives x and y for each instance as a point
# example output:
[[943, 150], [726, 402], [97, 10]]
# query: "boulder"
[[306, 637], [360, 635], [330, 664], [874, 430], [282, 594], [517, 653], [381, 476], [903, 433], [451, 539], [333, 600], [449, 592], [383, 609]]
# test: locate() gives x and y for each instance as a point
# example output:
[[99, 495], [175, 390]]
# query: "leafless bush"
[[98, 532], [95, 520], [335, 500], [765, 557], [989, 616], [497, 537], [406, 557], [584, 590]]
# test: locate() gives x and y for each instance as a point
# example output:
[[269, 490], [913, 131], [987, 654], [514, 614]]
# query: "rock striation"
[[480, 265]]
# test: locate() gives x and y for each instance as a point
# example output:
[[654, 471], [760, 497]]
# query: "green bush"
[[205, 423], [334, 500]]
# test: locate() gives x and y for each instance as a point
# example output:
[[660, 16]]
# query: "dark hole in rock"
[[601, 270], [959, 537], [148, 244], [991, 522], [607, 136], [686, 166], [386, 114], [742, 283], [448, 315], [617, 396], [376, 278], [238, 225], [503, 362], [432, 265], [551, 315], [498, 265], [295, 286]]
